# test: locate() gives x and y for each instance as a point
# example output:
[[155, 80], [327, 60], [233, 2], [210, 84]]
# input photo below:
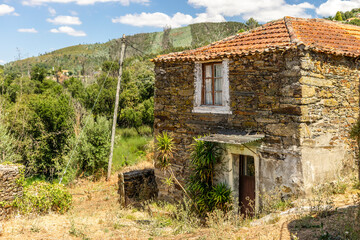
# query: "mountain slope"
[[89, 57]]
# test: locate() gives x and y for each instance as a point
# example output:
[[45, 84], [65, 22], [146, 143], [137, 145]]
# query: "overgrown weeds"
[[43, 197], [130, 148], [274, 201]]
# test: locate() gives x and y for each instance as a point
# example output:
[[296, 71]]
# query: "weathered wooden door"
[[246, 184]]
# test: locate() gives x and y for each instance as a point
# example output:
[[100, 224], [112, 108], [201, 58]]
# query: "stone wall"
[[10, 187], [263, 89], [137, 186], [330, 103], [286, 96]]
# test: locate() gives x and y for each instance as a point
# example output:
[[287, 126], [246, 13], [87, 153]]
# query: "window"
[[212, 84], [212, 87]]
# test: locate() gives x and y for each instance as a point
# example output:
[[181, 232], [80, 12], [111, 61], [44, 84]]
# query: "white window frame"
[[225, 107]]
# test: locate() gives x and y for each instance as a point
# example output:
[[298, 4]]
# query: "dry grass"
[[96, 214]]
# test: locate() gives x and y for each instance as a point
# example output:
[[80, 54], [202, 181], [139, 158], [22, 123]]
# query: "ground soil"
[[96, 214]]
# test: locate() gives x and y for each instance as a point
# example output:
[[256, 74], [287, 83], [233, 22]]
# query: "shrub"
[[44, 123], [91, 156], [220, 197], [145, 131], [128, 132], [206, 195], [7, 146], [43, 197]]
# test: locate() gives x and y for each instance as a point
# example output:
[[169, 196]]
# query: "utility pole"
[[116, 107]]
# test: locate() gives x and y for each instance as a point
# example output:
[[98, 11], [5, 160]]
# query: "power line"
[[128, 42], [87, 120]]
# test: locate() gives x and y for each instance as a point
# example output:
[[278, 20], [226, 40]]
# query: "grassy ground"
[[96, 214], [130, 146]]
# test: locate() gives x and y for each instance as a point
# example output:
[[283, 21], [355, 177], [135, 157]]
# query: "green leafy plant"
[[206, 195], [220, 197], [43, 197], [165, 148], [93, 147]]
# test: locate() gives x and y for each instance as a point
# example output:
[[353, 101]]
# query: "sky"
[[32, 27]]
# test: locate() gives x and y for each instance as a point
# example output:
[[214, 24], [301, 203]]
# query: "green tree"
[[338, 16], [76, 88], [43, 123], [38, 73], [355, 22], [252, 23]]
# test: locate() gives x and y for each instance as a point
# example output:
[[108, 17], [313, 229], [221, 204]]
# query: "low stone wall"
[[137, 186], [10, 187]]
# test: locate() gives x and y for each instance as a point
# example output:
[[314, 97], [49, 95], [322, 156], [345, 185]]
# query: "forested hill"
[[87, 59]]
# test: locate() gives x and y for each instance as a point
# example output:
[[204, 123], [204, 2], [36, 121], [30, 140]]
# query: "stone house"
[[280, 98]]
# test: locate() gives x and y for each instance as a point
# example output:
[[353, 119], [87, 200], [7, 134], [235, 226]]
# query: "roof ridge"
[[292, 35], [280, 35]]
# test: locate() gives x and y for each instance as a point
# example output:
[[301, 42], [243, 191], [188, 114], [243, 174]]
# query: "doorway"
[[246, 183]]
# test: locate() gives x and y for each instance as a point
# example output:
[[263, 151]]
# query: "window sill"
[[212, 109]]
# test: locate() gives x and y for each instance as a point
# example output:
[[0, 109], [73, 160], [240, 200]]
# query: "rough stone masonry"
[[304, 102], [10, 187], [137, 186]]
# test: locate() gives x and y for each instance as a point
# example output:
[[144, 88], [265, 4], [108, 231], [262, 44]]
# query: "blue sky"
[[31, 27]]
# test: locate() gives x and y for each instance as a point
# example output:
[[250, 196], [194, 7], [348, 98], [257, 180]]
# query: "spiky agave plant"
[[206, 196], [165, 148], [220, 197]]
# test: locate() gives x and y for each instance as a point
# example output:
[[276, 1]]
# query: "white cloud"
[[262, 10], [2, 61], [74, 13], [6, 9], [159, 19], [330, 7], [82, 2], [27, 30], [52, 11], [69, 31], [65, 20]]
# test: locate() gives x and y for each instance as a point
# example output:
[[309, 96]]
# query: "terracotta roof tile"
[[316, 34]]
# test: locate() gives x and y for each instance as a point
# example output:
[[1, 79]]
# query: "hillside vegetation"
[[85, 59], [349, 17]]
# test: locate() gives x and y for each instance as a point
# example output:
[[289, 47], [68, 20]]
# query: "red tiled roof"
[[315, 34]]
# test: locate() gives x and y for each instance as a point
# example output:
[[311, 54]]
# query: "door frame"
[[241, 150]]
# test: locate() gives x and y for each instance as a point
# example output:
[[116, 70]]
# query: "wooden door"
[[247, 184]]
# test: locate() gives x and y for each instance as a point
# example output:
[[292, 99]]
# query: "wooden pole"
[[122, 53]]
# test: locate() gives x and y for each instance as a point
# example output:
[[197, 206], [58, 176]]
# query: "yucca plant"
[[165, 148], [207, 197], [220, 197]]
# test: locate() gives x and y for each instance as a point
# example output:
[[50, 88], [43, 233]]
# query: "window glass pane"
[[208, 71], [208, 91], [218, 70], [218, 84], [208, 98], [250, 166], [208, 84], [218, 98]]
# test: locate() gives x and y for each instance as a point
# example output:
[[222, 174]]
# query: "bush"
[[43, 124], [7, 146], [128, 132], [205, 194], [145, 131], [91, 156], [43, 197]]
